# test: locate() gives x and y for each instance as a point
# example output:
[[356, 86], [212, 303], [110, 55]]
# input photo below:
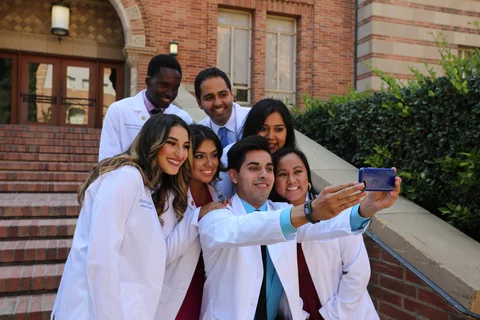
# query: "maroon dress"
[[192, 303], [311, 302]]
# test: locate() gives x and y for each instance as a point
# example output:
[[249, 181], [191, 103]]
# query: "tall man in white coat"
[[126, 117], [213, 91], [250, 265]]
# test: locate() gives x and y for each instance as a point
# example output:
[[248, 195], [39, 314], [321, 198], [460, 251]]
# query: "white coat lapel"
[[237, 206], [239, 120], [277, 250], [140, 108]]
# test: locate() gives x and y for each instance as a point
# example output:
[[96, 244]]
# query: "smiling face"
[[255, 179], [174, 152], [216, 100], [163, 87], [205, 162], [291, 179], [275, 131]]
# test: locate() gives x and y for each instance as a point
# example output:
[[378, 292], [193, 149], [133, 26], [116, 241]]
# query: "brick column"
[[259, 42], [138, 59]]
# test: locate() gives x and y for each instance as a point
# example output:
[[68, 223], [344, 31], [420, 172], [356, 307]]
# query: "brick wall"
[[399, 294], [325, 39], [394, 35]]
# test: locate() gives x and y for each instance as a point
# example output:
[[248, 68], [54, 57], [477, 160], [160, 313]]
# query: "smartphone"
[[377, 179]]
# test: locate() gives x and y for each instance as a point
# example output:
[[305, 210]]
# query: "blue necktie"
[[223, 136]]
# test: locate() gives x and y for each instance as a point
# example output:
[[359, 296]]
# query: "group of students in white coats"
[[157, 238]]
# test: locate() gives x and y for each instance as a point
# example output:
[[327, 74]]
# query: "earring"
[[309, 186]]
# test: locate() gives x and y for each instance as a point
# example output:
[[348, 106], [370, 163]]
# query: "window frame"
[[278, 34], [230, 73]]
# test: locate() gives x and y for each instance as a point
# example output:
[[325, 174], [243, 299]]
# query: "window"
[[71, 82], [234, 51], [465, 52], [280, 68]]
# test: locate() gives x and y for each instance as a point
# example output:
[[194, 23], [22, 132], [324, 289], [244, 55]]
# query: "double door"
[[63, 92]]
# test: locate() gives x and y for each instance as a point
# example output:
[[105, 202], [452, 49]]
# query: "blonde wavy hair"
[[142, 155]]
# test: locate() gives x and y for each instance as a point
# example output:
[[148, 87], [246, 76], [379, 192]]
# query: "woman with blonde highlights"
[[115, 269], [181, 297]]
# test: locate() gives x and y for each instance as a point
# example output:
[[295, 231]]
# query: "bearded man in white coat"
[[213, 91], [250, 264], [126, 117]]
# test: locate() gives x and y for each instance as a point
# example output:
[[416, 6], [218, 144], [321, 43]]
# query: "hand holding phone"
[[377, 179]]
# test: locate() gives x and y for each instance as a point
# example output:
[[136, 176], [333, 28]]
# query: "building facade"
[[269, 48], [395, 35], [272, 48]]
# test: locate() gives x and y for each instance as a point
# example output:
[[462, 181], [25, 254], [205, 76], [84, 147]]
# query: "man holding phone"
[[250, 264]]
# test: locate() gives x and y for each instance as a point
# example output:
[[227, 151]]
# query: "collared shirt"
[[230, 125], [147, 102], [274, 289]]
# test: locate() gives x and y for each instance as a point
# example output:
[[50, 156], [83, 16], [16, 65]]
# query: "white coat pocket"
[[210, 314], [132, 296], [166, 293]]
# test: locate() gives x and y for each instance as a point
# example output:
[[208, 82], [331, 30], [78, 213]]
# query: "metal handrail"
[[459, 307]]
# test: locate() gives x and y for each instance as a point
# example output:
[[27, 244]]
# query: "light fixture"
[[173, 48], [60, 19]]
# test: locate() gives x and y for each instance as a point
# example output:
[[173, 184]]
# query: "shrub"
[[428, 128]]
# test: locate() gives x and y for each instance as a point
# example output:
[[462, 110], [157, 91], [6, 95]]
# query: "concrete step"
[[37, 228], [16, 252], [49, 157], [36, 128], [15, 186], [51, 142], [37, 306], [47, 149], [30, 278], [49, 135], [38, 205], [46, 166], [42, 176]]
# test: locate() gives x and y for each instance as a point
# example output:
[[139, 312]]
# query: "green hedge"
[[428, 129]]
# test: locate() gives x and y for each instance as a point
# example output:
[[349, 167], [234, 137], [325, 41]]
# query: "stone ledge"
[[445, 255]]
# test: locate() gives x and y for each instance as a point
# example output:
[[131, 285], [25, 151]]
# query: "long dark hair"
[[201, 133], [260, 111], [142, 154], [276, 157]]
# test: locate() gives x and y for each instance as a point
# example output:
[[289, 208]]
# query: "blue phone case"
[[377, 179]]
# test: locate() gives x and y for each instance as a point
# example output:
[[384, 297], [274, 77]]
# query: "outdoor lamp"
[[60, 19], [173, 48]]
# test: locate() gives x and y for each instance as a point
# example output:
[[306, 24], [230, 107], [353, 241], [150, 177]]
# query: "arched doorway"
[[65, 83]]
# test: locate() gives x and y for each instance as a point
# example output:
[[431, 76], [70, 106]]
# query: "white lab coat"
[[181, 267], [225, 184], [231, 242], [123, 122], [340, 271], [240, 114], [115, 269]]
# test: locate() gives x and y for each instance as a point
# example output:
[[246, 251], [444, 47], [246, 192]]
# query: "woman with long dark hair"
[[269, 118], [333, 274], [115, 269]]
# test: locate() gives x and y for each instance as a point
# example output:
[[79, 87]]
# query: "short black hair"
[[208, 74], [236, 155], [201, 133], [162, 61], [259, 113], [277, 156]]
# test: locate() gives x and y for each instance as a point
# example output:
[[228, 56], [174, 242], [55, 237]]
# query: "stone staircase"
[[40, 170]]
